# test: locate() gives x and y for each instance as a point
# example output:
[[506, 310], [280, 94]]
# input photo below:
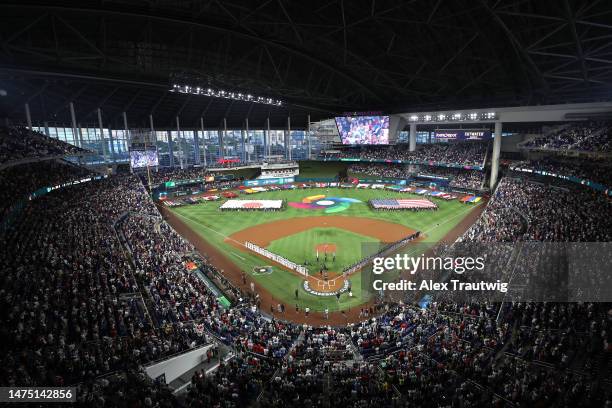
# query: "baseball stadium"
[[266, 204]]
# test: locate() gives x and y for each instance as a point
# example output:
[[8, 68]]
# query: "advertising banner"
[[462, 134], [270, 181]]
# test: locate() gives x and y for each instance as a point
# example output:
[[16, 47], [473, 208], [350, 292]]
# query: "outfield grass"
[[214, 226]]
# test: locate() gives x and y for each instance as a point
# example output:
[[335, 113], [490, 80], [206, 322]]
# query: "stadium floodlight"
[[222, 93], [441, 117], [427, 118], [414, 118], [473, 116], [457, 116], [490, 115]]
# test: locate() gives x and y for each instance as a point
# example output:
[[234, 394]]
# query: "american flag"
[[402, 203]]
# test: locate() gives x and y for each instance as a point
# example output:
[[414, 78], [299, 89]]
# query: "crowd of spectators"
[[18, 143], [591, 136], [465, 153], [217, 181], [523, 210], [172, 174], [599, 171], [399, 171], [79, 313], [18, 182], [455, 352], [459, 178], [95, 284]]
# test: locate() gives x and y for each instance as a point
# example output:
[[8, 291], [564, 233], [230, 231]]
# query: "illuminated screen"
[[366, 130], [143, 158]]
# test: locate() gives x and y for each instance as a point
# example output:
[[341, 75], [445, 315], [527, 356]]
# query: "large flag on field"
[[403, 203], [252, 205]]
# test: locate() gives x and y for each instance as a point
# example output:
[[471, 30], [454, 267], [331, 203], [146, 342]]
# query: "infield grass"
[[214, 226], [300, 247]]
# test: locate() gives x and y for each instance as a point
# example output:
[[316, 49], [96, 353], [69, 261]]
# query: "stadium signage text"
[[463, 134], [270, 181], [430, 285], [404, 262]]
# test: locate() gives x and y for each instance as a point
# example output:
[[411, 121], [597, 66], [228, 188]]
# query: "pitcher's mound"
[[326, 248]]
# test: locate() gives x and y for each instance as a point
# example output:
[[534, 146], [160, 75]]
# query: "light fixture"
[[221, 93], [441, 117], [414, 118], [427, 118]]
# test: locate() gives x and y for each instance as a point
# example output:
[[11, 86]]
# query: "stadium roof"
[[319, 57]]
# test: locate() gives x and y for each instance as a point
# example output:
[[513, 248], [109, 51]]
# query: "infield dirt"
[[263, 234]]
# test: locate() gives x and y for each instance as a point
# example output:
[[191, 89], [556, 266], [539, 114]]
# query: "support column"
[[308, 136], [245, 133], [267, 138], [104, 150], [288, 138], [170, 148], [28, 116], [495, 156], [126, 131], [221, 136], [196, 147], [46, 124], [181, 144], [75, 134], [153, 135], [203, 140], [413, 131], [113, 153]]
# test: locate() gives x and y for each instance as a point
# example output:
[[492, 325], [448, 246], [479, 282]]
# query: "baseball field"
[[326, 240]]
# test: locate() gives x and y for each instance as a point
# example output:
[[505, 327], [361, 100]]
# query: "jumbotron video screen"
[[143, 158], [363, 130]]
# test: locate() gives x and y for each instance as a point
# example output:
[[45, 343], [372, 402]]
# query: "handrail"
[[178, 353]]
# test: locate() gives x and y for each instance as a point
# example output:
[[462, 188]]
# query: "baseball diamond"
[[306, 204]]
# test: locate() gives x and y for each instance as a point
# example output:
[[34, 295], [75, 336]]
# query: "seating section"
[[599, 171], [73, 306], [18, 143], [521, 210], [95, 285], [18, 182], [460, 178], [591, 137], [466, 153]]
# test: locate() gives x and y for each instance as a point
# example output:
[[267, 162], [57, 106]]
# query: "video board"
[[363, 130], [143, 158]]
